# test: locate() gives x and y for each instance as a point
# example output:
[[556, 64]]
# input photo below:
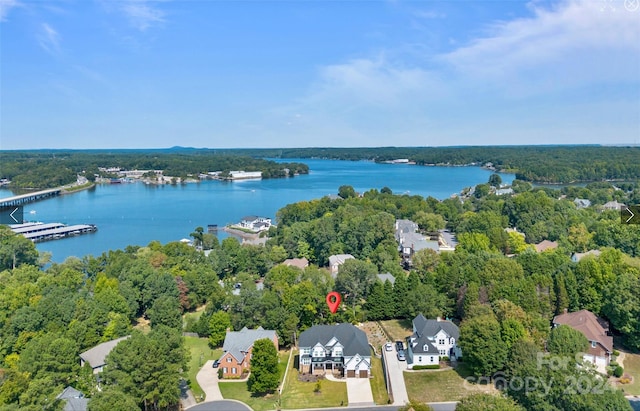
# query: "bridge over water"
[[29, 198]]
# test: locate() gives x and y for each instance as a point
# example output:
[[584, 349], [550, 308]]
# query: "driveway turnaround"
[[207, 378], [395, 369], [221, 405], [359, 392]]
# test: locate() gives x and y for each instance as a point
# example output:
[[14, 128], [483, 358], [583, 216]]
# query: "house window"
[[443, 352], [431, 359], [228, 359], [420, 359], [425, 348], [593, 344], [233, 370], [224, 370], [306, 361], [441, 341]]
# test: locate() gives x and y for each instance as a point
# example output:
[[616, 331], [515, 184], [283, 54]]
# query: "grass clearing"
[[632, 367], [445, 385], [397, 329], [378, 386], [200, 353], [298, 394], [236, 390]]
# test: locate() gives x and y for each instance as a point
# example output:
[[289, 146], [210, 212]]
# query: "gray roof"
[[421, 343], [339, 258], [238, 343], [429, 328], [418, 242], [353, 340], [96, 355], [386, 276], [74, 399]]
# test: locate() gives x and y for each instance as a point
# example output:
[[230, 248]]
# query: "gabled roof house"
[[595, 330], [340, 349], [431, 340], [237, 347], [96, 356]]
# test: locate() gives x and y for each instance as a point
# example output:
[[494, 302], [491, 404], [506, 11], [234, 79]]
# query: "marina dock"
[[38, 232]]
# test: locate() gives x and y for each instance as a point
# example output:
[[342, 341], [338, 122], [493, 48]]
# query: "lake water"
[[136, 214]]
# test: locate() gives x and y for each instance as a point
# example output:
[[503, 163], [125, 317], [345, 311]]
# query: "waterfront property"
[[255, 223], [342, 350]]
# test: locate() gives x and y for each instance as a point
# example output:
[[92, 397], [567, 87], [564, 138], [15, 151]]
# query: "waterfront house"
[[595, 330], [255, 223], [95, 356], [237, 347], [432, 340], [341, 349], [582, 203]]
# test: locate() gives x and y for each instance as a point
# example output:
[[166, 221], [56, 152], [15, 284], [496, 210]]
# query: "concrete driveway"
[[395, 369], [359, 392], [207, 378]]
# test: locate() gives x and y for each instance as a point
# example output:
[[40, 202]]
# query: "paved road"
[[207, 378], [395, 369], [221, 405], [437, 406]]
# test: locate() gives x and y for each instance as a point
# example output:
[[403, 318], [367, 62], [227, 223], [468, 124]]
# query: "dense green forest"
[[495, 285], [46, 169], [538, 164]]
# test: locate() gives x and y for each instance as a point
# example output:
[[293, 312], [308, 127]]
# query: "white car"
[[388, 346]]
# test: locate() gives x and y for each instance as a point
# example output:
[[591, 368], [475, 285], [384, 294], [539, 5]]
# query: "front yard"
[[200, 353], [631, 367], [438, 386]]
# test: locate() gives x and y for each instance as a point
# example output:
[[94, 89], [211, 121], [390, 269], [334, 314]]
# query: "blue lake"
[[136, 214]]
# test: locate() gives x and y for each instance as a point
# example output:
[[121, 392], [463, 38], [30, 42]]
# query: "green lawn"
[[236, 390], [200, 353], [632, 367], [436, 386], [378, 386], [298, 394]]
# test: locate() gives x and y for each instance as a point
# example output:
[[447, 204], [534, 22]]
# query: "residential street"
[[395, 369]]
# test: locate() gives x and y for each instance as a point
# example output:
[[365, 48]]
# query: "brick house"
[[237, 347]]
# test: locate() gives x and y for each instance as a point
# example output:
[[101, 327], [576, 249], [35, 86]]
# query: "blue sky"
[[212, 73]]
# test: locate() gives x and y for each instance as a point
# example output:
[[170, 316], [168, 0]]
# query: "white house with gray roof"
[[431, 340], [95, 356], [237, 347], [340, 349]]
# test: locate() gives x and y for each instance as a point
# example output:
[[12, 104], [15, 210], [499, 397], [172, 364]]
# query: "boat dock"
[[37, 232]]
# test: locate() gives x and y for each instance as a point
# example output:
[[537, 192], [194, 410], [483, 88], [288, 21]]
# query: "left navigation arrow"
[[11, 215]]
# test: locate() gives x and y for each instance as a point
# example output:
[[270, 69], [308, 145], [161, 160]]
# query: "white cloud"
[[5, 6], [49, 39], [142, 14]]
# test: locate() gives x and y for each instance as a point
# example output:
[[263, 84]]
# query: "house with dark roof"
[[595, 330], [237, 347], [432, 340], [341, 349], [96, 356], [73, 400]]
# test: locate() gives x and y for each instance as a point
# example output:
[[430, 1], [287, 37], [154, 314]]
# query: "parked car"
[[388, 346], [216, 363], [399, 346], [401, 355]]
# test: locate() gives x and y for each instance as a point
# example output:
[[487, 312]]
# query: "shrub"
[[618, 371], [219, 373], [444, 358], [625, 380], [616, 353], [426, 367], [318, 386], [613, 364]]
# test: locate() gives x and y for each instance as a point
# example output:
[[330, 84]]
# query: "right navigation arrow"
[[630, 215]]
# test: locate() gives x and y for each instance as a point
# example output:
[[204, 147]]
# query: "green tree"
[[564, 340], [264, 377], [355, 279], [15, 250], [482, 346], [414, 405], [495, 180], [112, 399], [346, 192], [165, 311], [219, 323]]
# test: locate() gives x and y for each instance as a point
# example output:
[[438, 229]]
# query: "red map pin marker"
[[333, 301]]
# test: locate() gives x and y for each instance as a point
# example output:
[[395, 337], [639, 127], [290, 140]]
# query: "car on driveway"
[[399, 346], [401, 355], [216, 363], [388, 346]]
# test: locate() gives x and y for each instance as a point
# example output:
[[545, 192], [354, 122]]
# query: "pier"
[[38, 232], [30, 197]]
